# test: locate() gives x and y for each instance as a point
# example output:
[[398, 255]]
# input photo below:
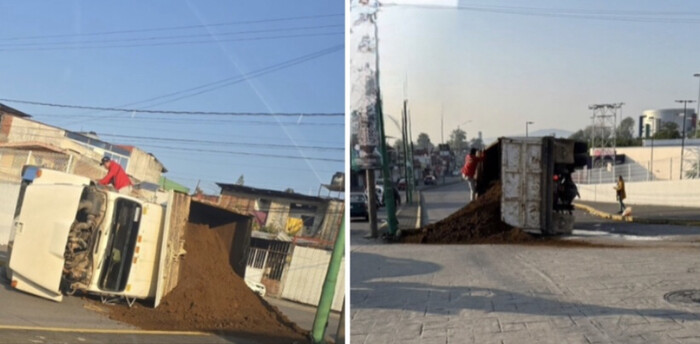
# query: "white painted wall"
[[682, 193], [305, 276], [8, 199]]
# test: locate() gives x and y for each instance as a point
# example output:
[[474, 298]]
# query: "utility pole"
[[527, 124], [413, 175], [408, 152], [324, 304], [697, 112], [389, 200], [442, 124], [685, 107], [605, 118]]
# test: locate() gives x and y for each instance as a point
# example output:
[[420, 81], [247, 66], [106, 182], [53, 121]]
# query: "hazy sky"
[[82, 56], [500, 63]]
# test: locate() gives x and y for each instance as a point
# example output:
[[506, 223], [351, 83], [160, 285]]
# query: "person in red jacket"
[[471, 162], [115, 176]]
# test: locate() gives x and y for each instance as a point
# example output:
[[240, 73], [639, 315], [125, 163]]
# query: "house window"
[[120, 159]]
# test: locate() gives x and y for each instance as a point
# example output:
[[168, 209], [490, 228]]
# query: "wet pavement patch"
[[684, 297]]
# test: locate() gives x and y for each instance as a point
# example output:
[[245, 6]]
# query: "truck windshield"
[[120, 245]]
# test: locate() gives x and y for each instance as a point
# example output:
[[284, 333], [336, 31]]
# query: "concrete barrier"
[[680, 193]]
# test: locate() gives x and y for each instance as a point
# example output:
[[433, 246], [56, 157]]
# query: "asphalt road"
[[303, 315], [28, 319]]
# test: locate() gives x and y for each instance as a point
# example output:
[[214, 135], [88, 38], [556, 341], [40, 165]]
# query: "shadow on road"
[[367, 293]]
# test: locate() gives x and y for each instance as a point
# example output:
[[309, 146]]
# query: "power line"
[[178, 140], [172, 28], [245, 153], [155, 38], [194, 121], [211, 113], [212, 86], [624, 16], [170, 131], [174, 43]]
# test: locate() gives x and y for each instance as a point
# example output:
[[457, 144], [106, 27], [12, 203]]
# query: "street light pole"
[[697, 112], [685, 107], [527, 134]]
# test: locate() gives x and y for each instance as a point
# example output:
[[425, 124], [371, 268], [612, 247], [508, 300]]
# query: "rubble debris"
[[210, 297]]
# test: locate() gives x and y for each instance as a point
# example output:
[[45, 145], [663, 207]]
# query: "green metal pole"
[[324, 305], [389, 200]]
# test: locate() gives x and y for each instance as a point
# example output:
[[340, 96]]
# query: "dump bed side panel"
[[521, 178], [172, 243]]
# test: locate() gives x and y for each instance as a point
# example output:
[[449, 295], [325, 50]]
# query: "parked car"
[[429, 180], [359, 205]]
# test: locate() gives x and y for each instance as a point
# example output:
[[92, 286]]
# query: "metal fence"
[[270, 261], [662, 169]]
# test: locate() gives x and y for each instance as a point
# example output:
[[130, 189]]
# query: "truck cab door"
[[41, 232]]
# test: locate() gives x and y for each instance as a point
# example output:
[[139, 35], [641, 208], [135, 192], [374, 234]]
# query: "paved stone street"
[[521, 294]]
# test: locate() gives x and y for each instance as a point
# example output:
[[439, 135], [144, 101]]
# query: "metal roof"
[[271, 193]]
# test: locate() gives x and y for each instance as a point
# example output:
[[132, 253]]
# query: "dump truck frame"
[[69, 235], [535, 178]]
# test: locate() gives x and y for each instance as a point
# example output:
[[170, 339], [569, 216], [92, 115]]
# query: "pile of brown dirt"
[[211, 297], [478, 222]]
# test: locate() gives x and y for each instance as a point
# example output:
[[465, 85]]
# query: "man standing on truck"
[[115, 176], [471, 161]]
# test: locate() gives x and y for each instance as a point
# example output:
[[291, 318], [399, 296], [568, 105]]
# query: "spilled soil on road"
[[211, 297], [479, 222]]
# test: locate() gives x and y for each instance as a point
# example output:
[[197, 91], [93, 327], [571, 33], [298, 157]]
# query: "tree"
[[240, 180], [624, 134], [477, 143], [423, 142], [668, 130], [458, 140]]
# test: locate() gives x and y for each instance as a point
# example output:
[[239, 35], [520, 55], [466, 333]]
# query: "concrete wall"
[[303, 281], [666, 162], [683, 193], [144, 166], [8, 201]]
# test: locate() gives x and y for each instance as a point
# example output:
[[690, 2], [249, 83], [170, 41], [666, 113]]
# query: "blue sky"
[[85, 63], [501, 69]]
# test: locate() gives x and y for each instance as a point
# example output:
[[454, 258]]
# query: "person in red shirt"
[[471, 162], [115, 176]]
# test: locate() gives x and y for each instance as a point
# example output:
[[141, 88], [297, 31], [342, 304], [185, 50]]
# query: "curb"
[[419, 215], [633, 219]]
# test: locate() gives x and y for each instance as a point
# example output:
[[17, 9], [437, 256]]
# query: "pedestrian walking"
[[620, 192], [471, 162]]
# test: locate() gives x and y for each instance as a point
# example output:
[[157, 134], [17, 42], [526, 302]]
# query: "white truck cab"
[[69, 235]]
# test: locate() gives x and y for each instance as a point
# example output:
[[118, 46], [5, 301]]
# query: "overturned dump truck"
[[535, 178], [72, 236]]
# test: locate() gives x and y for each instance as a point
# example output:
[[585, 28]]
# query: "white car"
[[256, 287]]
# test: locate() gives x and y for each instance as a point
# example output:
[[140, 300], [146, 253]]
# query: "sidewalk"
[[647, 214], [408, 215]]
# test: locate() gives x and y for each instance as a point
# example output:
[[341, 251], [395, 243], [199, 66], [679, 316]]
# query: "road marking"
[[102, 331]]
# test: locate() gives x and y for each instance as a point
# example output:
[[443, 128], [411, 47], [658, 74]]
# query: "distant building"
[[287, 213], [74, 152], [651, 121]]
